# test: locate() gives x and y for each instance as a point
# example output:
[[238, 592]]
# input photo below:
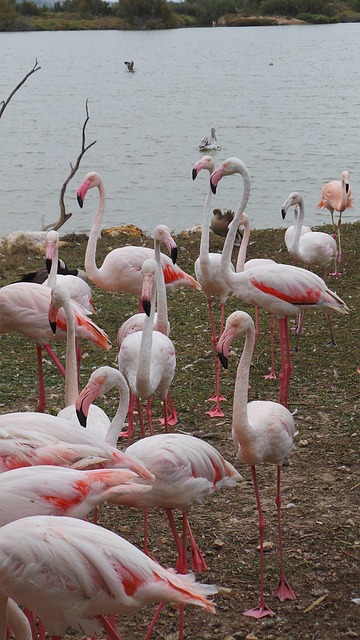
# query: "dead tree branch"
[[84, 148], [4, 103]]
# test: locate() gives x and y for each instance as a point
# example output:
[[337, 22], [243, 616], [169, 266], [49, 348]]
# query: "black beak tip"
[[80, 201], [53, 326], [48, 264], [146, 305], [213, 187], [223, 359], [283, 213], [174, 253], [81, 417], [347, 188], [194, 174]]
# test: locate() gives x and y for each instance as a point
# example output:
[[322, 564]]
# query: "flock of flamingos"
[[58, 570]]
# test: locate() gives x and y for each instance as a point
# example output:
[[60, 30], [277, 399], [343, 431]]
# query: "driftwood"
[[4, 103], [63, 215]]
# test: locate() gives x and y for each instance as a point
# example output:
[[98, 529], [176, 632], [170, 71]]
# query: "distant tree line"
[[157, 14]]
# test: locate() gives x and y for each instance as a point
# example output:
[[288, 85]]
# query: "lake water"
[[294, 123]]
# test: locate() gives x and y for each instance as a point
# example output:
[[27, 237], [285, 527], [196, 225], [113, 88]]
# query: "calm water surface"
[[294, 123]]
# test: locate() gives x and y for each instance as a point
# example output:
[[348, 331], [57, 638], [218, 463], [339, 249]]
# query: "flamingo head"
[[52, 241], [91, 180], [237, 323], [293, 200], [162, 234], [206, 162], [227, 168], [59, 296], [345, 178], [148, 272]]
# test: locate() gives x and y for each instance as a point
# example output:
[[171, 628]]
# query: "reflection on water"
[[294, 123]]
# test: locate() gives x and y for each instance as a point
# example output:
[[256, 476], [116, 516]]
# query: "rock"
[[23, 240], [127, 229]]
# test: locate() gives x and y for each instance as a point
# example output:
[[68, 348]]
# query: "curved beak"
[[81, 192], [84, 401], [52, 316], [215, 178]]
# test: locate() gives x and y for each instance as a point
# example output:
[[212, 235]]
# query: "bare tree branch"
[[84, 148], [4, 103]]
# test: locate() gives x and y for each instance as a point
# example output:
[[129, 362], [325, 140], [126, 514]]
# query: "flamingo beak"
[[283, 213], [52, 315], [146, 305], [81, 192], [81, 417], [194, 173], [173, 254], [223, 359]]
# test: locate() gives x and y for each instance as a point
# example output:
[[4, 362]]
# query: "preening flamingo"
[[24, 309], [61, 491], [262, 432], [147, 358], [209, 143], [310, 249], [208, 273], [336, 196], [72, 573], [284, 290], [121, 269]]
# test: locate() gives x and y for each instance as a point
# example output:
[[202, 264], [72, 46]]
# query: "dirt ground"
[[320, 486]]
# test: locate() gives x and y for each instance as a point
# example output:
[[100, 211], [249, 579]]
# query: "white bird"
[[208, 273], [262, 432], [209, 143], [147, 358], [336, 196]]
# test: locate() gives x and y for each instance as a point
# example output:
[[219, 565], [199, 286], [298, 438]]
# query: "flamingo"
[[72, 573], [18, 622], [336, 196], [209, 143], [121, 269], [24, 309], [314, 248], [208, 273], [147, 358], [161, 320], [262, 432], [62, 491], [284, 290]]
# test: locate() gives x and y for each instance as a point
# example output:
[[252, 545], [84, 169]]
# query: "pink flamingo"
[[208, 274], [24, 309], [147, 358], [72, 573], [262, 432], [284, 290], [311, 248], [61, 491], [336, 196], [18, 622], [121, 269]]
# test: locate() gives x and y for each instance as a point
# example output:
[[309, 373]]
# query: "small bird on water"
[[130, 65]]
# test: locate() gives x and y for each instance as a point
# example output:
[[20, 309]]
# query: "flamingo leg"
[[261, 610], [299, 330], [141, 420], [272, 374], [153, 622], [166, 422], [55, 359], [217, 397], [339, 257], [148, 415], [256, 325], [332, 341], [283, 591], [198, 563], [181, 562], [30, 616], [286, 366], [110, 631], [173, 417], [42, 399]]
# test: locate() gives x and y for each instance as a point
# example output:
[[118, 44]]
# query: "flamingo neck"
[[205, 234], [71, 377], [52, 277], [241, 428], [118, 420], [298, 223], [230, 277], [144, 364], [240, 262], [162, 310], [17, 621], [343, 196], [91, 269]]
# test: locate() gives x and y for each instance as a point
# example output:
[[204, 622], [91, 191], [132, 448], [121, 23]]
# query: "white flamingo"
[[336, 196]]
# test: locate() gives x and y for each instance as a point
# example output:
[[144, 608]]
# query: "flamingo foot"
[[283, 591], [259, 612], [198, 563], [172, 420], [335, 273], [217, 398], [270, 376], [216, 412]]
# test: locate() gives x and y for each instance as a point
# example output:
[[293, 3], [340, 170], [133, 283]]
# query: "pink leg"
[[153, 622], [42, 399], [173, 417], [198, 563], [286, 366], [148, 415], [181, 561], [42, 631], [272, 374], [111, 633], [166, 422], [217, 397], [256, 325], [283, 591], [54, 358], [142, 427], [262, 609], [30, 616]]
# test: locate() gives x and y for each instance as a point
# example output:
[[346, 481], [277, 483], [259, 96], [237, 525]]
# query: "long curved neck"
[[240, 425], [226, 269], [344, 196], [240, 262], [17, 621], [52, 277], [90, 256], [162, 310], [298, 222], [144, 364], [205, 233], [71, 377], [118, 420]]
